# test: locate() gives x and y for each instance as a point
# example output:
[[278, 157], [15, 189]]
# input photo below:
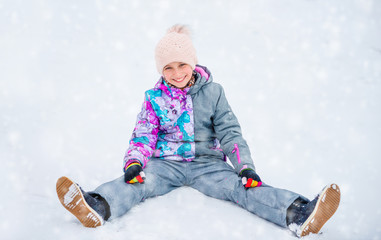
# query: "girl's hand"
[[250, 179], [134, 173]]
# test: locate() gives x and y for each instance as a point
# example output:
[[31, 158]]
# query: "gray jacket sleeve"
[[229, 134]]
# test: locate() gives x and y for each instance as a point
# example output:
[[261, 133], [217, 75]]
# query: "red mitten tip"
[[140, 179]]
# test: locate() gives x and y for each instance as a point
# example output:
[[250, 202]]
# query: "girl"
[[184, 134]]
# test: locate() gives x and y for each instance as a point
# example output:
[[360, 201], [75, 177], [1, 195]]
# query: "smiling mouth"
[[179, 80]]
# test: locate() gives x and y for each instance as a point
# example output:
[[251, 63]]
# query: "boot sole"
[[326, 206], [71, 197]]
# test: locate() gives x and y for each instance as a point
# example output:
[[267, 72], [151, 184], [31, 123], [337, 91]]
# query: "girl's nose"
[[177, 73]]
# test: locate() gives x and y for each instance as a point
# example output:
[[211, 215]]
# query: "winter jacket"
[[182, 125]]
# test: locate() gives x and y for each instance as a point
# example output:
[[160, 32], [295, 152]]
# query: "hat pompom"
[[178, 28]]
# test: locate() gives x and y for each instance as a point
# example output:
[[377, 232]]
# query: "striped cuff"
[[130, 162]]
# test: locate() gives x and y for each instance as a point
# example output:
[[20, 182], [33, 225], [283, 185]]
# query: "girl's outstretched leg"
[[217, 179], [161, 178]]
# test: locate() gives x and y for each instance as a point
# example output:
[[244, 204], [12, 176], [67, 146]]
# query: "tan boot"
[[71, 197], [327, 204]]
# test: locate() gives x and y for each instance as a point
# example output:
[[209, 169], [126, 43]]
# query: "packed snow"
[[302, 76], [70, 195]]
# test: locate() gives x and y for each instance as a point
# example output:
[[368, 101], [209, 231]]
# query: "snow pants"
[[215, 178]]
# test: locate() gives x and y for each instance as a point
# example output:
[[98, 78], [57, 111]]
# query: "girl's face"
[[178, 74]]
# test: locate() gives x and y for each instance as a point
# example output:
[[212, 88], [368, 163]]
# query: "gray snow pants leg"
[[215, 178]]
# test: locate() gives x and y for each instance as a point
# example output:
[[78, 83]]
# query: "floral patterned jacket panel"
[[165, 126]]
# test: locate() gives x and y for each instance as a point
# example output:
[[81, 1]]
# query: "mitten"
[[249, 178], [133, 172]]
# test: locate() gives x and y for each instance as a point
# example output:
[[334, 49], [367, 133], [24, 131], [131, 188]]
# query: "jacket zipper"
[[236, 150]]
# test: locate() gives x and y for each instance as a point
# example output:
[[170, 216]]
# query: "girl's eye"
[[167, 68]]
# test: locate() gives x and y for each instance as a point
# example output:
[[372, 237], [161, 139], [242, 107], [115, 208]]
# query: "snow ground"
[[303, 77]]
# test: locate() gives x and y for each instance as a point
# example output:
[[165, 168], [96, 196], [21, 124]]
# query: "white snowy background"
[[302, 76]]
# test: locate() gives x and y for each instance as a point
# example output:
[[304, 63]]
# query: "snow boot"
[[91, 209], [305, 217]]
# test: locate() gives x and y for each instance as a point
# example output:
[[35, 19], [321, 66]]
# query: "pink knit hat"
[[175, 46]]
